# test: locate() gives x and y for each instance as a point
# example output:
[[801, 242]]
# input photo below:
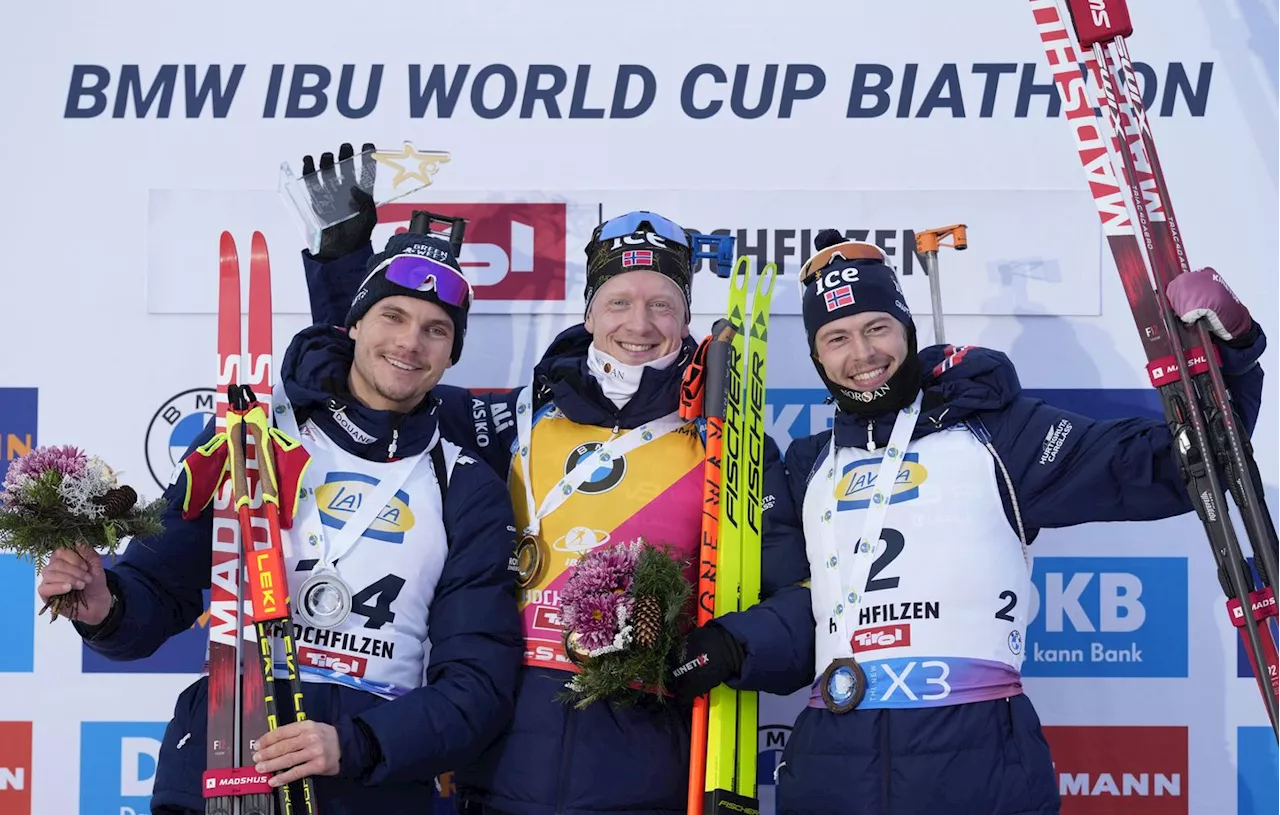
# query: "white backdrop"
[[914, 115]]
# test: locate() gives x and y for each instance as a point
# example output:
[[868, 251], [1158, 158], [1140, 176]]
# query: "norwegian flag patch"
[[637, 257], [839, 298]]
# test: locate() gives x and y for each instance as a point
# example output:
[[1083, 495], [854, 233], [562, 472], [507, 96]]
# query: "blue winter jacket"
[[555, 758], [988, 757], [392, 751]]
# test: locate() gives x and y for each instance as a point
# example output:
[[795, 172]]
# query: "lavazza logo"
[[175, 425]]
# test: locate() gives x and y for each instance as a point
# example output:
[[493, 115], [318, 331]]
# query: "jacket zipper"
[[871, 438], [391, 449]]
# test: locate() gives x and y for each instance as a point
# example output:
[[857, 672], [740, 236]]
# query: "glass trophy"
[[320, 199]]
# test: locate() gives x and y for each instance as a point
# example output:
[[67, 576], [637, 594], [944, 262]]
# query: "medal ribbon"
[[331, 549], [868, 544], [614, 448]]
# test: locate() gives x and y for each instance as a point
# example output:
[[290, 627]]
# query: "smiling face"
[[862, 351], [638, 317], [402, 350]]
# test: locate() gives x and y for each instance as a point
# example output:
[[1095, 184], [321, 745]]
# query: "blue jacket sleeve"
[[484, 422], [476, 642], [1067, 469], [158, 582], [332, 285], [777, 634]]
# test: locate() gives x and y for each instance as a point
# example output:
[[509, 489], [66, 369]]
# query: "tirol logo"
[[15, 768], [512, 251], [858, 482], [884, 636], [118, 766], [603, 478], [341, 494], [1256, 785], [1104, 770], [173, 428], [1107, 617]]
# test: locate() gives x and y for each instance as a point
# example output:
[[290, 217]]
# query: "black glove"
[[332, 191], [711, 657]]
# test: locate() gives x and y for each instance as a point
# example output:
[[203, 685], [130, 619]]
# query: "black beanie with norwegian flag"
[[850, 284]]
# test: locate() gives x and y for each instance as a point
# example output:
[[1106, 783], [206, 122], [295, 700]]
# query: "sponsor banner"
[[524, 251], [1107, 617], [1256, 787], [1109, 770], [19, 410], [17, 606], [15, 768], [118, 766], [174, 427]]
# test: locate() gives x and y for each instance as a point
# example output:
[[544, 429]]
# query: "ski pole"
[[269, 587], [707, 398], [927, 243]]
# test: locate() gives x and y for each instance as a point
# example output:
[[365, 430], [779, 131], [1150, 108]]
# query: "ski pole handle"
[[927, 243]]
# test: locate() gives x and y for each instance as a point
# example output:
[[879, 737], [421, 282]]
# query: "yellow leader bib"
[[654, 491]]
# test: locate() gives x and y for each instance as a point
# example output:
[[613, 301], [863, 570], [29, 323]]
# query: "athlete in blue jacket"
[[917, 508], [430, 650], [621, 369]]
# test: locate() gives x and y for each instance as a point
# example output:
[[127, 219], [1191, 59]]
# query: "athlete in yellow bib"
[[614, 380]]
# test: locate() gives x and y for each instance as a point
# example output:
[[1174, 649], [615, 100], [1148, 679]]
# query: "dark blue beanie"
[[850, 286], [376, 286]]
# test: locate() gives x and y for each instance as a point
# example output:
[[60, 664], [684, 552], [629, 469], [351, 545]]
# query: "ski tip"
[[259, 243], [765, 282], [741, 273], [227, 247]]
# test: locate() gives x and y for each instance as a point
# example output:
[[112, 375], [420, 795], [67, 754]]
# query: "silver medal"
[[324, 600]]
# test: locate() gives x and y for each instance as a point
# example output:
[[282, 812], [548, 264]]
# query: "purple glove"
[[1203, 293]]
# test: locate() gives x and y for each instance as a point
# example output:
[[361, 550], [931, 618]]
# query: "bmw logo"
[[603, 478], [174, 427], [1015, 642]]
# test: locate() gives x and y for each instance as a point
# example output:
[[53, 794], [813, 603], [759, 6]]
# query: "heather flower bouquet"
[[623, 611], [57, 498]]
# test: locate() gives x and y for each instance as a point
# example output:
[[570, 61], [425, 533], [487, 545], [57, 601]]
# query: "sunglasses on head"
[[427, 274], [633, 222], [849, 250]]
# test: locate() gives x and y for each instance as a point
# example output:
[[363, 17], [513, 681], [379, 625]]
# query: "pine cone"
[[117, 502], [648, 622]]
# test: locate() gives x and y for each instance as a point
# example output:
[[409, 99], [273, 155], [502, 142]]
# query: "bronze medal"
[[843, 685]]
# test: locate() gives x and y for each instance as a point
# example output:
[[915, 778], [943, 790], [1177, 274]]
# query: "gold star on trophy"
[[424, 165]]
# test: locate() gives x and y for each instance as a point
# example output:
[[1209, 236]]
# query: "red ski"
[[1196, 402], [237, 713]]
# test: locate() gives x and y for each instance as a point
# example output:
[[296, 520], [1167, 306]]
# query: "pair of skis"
[[726, 386], [240, 469], [1103, 105]]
